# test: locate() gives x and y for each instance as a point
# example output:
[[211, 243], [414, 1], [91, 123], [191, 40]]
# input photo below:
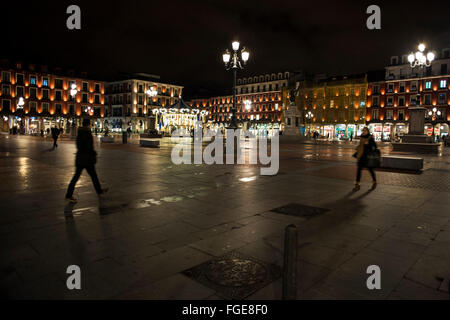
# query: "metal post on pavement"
[[290, 263], [124, 137]]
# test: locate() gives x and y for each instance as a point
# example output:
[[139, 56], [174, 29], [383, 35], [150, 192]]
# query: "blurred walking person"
[[366, 146], [86, 158], [55, 135]]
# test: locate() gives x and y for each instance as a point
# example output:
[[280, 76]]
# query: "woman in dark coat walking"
[[86, 158], [366, 145]]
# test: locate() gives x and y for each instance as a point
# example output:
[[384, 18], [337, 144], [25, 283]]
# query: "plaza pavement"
[[159, 220]]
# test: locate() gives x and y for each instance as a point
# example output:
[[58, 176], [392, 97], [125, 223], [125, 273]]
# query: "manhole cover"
[[299, 210], [235, 272], [234, 275]]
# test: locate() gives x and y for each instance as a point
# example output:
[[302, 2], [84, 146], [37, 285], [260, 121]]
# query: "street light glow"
[[21, 103], [421, 47], [235, 45], [152, 92], [421, 59], [247, 104], [226, 57], [245, 55], [73, 90]]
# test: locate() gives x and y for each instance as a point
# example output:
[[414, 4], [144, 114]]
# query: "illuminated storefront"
[[264, 129], [387, 131], [376, 129]]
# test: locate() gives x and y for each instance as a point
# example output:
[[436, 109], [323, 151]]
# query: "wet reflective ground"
[[159, 220]]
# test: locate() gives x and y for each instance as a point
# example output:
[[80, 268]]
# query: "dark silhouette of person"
[[86, 158], [55, 135], [366, 145]]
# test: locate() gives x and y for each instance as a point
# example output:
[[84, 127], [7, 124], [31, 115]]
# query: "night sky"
[[182, 41]]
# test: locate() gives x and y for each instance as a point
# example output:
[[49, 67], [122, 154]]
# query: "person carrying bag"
[[368, 156]]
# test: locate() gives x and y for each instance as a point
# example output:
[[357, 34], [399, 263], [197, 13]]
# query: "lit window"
[[33, 80], [45, 82], [443, 84], [428, 85]]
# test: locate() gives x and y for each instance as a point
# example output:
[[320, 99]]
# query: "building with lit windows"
[[389, 99], [262, 114], [131, 100], [335, 107], [35, 98]]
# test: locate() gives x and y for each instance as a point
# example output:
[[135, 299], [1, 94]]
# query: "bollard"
[[290, 263], [124, 137]]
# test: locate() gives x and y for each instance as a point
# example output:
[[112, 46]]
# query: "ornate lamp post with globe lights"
[[417, 113], [248, 105], [433, 114], [416, 140], [235, 61], [419, 59], [151, 93], [20, 103], [309, 115], [73, 93]]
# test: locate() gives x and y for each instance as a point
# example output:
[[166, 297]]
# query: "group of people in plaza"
[[367, 155]]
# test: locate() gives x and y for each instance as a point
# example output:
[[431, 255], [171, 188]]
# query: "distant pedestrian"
[[42, 132], [55, 135], [86, 158], [351, 137], [366, 145]]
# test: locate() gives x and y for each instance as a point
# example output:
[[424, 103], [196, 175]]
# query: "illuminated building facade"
[[264, 113], [389, 99], [130, 104], [334, 107], [35, 98]]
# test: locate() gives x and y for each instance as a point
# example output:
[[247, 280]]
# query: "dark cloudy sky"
[[182, 40]]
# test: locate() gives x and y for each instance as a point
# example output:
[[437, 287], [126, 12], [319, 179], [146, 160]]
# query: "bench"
[[107, 139], [150, 135], [423, 148], [401, 162], [149, 143]]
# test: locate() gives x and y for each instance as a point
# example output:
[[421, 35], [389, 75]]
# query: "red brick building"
[[47, 99], [265, 111], [403, 87]]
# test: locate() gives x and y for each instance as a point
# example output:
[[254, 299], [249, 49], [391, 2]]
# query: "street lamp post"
[[73, 94], [234, 61], [419, 59], [20, 103], [152, 93], [416, 113], [309, 115], [248, 106], [433, 115]]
